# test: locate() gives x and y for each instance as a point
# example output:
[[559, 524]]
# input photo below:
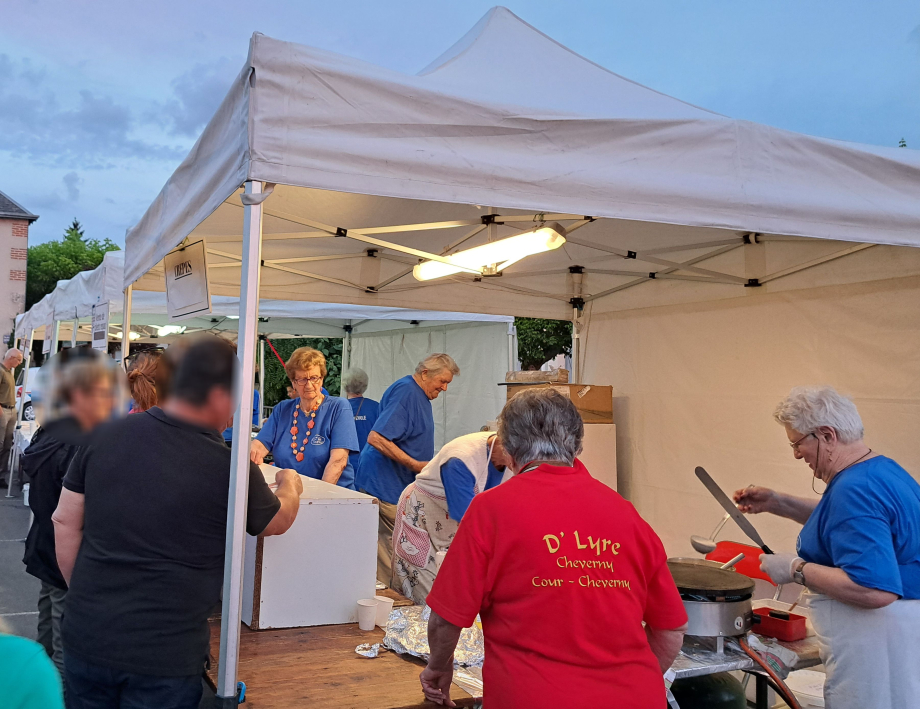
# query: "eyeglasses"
[[796, 444], [312, 380]]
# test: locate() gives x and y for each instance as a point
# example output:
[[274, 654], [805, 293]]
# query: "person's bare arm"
[[68, 530], [436, 677], [665, 644], [394, 452], [754, 500], [333, 470], [290, 486], [835, 582]]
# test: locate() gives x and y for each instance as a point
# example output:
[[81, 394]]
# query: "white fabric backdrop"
[[472, 399], [699, 383]]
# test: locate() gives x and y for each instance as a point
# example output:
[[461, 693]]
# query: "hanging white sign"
[[49, 333], [25, 343], [101, 327], [187, 292]]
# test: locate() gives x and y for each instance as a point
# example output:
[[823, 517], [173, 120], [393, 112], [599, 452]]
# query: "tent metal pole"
[[239, 459], [25, 387], [261, 381], [126, 327], [73, 334], [576, 348], [55, 337], [511, 358], [346, 356]]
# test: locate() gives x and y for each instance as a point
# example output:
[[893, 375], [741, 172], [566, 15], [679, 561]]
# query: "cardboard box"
[[594, 403]]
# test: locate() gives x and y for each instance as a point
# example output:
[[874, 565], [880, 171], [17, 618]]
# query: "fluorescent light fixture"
[[496, 256], [233, 317], [132, 336], [170, 330]]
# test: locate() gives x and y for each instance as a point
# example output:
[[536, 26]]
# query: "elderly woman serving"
[[430, 508], [858, 553], [314, 433], [578, 606]]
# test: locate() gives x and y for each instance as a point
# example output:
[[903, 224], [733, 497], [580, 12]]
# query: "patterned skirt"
[[423, 528]]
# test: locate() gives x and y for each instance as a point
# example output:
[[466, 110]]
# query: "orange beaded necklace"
[[310, 423]]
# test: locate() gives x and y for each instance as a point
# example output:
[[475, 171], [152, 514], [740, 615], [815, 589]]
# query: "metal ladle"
[[707, 545]]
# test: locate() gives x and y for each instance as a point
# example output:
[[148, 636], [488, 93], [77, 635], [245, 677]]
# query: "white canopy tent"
[[386, 342], [353, 172]]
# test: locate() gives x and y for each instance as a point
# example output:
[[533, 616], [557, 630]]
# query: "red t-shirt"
[[563, 571]]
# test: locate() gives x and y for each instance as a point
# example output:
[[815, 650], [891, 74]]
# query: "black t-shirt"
[[151, 564]]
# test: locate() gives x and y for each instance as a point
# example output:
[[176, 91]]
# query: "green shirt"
[[28, 679], [7, 388]]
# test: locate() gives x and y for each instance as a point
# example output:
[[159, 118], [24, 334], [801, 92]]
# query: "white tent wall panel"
[[698, 384], [472, 399]]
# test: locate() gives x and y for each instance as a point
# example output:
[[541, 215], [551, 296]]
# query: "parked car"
[[28, 413]]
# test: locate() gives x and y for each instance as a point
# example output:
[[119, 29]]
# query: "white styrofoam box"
[[314, 573], [600, 452]]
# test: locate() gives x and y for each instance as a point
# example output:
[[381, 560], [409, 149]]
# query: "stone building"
[[14, 249]]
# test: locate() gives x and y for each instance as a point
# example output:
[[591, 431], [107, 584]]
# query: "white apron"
[[872, 657]]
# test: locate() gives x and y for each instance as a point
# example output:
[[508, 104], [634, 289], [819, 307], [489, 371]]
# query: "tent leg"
[[55, 337], [576, 348], [73, 335], [239, 461], [27, 361], [126, 327], [261, 380], [346, 356], [512, 358]]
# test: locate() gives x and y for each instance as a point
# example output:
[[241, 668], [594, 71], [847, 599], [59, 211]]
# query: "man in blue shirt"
[[365, 410], [400, 444]]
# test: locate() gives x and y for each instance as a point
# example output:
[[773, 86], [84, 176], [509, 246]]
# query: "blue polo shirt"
[[460, 485], [868, 524], [334, 427], [366, 412], [405, 419], [228, 432]]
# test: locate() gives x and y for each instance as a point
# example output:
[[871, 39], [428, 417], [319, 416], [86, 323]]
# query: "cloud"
[[72, 182], [197, 95], [92, 132]]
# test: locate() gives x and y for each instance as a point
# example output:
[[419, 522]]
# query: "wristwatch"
[[798, 576]]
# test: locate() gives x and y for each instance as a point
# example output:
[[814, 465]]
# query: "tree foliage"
[[541, 340], [276, 381], [55, 261]]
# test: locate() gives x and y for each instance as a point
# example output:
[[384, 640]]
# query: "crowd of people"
[[130, 520]]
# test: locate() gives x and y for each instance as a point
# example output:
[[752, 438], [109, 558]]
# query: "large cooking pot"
[[717, 601]]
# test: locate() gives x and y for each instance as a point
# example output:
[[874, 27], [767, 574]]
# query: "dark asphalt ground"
[[19, 590]]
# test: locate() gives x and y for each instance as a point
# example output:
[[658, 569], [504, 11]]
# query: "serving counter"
[[314, 573]]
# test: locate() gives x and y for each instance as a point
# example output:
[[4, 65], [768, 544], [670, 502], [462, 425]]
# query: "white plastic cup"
[[384, 606], [367, 613]]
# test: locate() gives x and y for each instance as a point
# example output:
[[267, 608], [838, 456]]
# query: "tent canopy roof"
[[508, 119]]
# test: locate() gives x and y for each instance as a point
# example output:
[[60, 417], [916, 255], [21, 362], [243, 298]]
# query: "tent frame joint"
[[341, 231], [578, 303], [752, 238], [576, 269], [631, 254], [753, 283]]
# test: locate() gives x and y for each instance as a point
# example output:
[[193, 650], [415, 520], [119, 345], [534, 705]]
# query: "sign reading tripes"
[[187, 292], [49, 334], [101, 327]]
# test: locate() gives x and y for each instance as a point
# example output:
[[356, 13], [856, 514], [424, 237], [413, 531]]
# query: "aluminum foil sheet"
[[368, 650], [407, 633], [469, 679]]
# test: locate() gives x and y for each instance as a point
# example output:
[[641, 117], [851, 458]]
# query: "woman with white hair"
[[400, 444], [858, 554], [355, 382]]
